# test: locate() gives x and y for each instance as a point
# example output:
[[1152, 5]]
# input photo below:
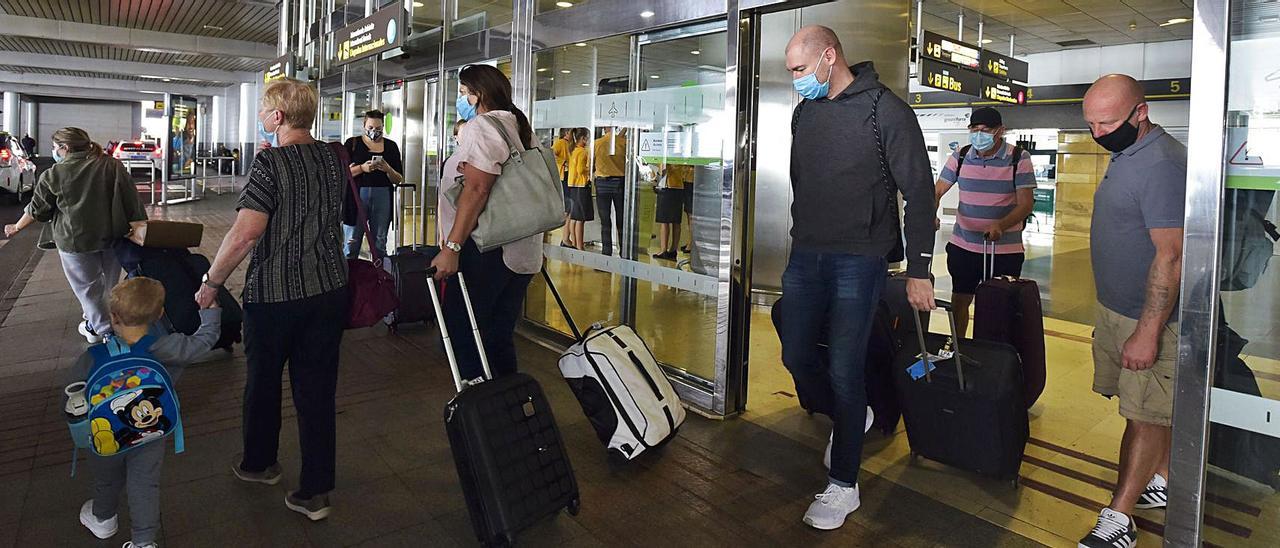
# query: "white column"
[[12, 110], [248, 115], [217, 114], [30, 119]]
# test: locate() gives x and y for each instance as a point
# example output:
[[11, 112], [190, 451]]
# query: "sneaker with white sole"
[[315, 508], [88, 333], [1114, 530], [1156, 495], [132, 544], [101, 528], [832, 506], [826, 457], [270, 476]]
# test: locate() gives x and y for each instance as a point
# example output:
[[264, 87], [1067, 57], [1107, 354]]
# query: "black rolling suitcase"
[[510, 457], [970, 415], [408, 266]]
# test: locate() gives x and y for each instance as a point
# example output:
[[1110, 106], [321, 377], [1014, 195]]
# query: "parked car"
[[17, 173], [143, 155]]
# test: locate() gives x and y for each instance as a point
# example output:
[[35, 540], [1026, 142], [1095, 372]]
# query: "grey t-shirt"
[[1145, 187]]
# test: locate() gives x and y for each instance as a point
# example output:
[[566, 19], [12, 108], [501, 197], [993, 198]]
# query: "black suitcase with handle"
[[509, 453], [972, 414], [408, 265]]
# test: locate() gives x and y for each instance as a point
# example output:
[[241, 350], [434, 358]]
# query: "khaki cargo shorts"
[[1145, 396]]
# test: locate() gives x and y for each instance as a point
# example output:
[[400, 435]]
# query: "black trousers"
[[497, 297], [609, 207], [306, 334]]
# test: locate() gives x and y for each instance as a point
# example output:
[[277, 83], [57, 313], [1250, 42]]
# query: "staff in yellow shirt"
[[610, 152], [562, 146], [671, 194], [580, 206]]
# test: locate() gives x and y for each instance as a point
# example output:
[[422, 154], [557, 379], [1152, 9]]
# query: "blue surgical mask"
[[57, 157], [808, 85], [268, 136], [466, 110], [981, 140]]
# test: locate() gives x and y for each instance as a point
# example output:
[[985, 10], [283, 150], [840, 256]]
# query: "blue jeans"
[[841, 292], [377, 205]]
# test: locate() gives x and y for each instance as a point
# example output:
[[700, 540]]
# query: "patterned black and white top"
[[301, 188]]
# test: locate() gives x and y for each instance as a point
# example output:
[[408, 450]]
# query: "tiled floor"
[[720, 483]]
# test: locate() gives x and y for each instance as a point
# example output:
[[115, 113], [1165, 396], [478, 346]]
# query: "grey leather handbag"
[[527, 199]]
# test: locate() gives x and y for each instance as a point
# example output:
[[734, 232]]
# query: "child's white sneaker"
[[103, 529]]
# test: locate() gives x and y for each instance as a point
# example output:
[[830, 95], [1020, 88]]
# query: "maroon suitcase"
[[1007, 310]]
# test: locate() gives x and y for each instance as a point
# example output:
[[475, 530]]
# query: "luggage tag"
[[917, 371]]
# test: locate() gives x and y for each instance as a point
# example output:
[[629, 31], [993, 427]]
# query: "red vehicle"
[[138, 155]]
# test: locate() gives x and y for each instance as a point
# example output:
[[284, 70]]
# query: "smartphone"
[[377, 159]]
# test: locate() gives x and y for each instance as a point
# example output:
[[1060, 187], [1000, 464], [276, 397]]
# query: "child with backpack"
[[127, 406]]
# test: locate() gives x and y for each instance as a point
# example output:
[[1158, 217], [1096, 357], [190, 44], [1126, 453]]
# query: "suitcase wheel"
[[574, 506]]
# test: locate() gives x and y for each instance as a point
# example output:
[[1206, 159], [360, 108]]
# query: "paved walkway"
[[720, 483]]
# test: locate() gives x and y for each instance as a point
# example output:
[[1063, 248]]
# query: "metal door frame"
[[1198, 321]]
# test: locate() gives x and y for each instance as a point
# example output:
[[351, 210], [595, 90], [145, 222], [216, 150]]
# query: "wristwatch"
[[206, 281], [453, 246]]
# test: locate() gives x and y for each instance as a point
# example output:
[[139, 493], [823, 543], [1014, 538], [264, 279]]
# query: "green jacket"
[[90, 199]]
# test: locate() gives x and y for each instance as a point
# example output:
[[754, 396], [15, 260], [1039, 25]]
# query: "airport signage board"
[[941, 48], [1002, 66], [1001, 91], [949, 78], [282, 67], [1164, 89], [372, 35]]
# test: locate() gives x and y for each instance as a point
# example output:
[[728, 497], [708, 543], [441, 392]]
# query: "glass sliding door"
[[652, 109], [1225, 471]]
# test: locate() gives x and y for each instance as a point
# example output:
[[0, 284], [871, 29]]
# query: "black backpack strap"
[[964, 151], [886, 177]]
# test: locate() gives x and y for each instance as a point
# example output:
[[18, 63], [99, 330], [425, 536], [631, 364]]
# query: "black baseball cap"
[[985, 116]]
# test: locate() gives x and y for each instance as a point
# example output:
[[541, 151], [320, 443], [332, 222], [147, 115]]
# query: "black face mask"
[[1122, 137]]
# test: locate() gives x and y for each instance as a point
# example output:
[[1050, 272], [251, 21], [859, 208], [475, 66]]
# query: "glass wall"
[[1243, 441], [476, 15], [652, 106]]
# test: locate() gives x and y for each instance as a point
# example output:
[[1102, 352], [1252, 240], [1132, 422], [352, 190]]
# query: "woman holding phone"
[[376, 166]]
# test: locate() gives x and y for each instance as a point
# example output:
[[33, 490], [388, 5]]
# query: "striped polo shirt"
[[988, 192]]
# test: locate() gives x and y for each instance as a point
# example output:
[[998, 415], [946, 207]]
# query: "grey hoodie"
[[840, 202], [174, 350]]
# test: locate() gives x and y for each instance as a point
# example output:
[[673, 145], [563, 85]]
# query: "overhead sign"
[[1002, 66], [1165, 89], [282, 67], [941, 48], [1001, 91], [369, 36], [159, 105], [949, 78]]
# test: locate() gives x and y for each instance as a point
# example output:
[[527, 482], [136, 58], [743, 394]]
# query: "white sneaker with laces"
[[1114, 530], [101, 528], [826, 457], [832, 506], [88, 334]]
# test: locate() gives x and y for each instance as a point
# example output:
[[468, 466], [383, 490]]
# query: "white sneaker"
[[826, 457], [103, 529], [89, 335], [832, 507], [130, 544], [1113, 530]]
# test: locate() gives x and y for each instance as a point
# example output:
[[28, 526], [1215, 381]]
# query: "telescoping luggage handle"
[[955, 344], [573, 327], [988, 258], [444, 330]]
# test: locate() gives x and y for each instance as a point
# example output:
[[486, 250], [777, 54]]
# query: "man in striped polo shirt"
[[995, 199]]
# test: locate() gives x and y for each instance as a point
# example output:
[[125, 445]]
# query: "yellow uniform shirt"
[[679, 175], [579, 168], [561, 149], [611, 165]]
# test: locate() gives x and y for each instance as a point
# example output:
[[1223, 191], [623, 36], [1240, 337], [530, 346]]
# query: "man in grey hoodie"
[[856, 145]]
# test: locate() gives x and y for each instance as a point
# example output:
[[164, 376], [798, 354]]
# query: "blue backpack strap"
[[179, 440], [75, 456]]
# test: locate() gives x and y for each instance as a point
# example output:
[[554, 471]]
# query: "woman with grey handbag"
[[495, 204]]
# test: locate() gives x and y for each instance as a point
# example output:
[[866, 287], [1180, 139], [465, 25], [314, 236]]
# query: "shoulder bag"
[[371, 288], [527, 199]]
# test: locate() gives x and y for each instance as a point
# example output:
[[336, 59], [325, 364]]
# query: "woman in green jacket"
[[91, 201]]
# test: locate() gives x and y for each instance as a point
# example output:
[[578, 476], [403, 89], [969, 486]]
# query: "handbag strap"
[[511, 143], [362, 219]]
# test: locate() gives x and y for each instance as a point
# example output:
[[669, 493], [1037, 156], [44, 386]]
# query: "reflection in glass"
[[1247, 377]]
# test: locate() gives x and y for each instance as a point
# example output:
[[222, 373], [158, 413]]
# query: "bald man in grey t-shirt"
[[1136, 247]]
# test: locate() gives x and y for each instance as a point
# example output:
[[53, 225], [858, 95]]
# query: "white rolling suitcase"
[[620, 385]]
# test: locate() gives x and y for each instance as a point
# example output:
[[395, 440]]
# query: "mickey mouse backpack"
[[131, 399]]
